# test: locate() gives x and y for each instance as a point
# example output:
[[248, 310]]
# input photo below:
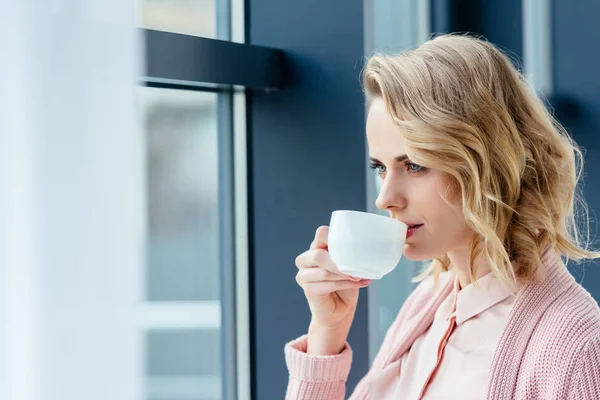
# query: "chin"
[[417, 253]]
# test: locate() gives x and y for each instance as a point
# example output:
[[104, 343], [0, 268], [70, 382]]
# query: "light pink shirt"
[[453, 358]]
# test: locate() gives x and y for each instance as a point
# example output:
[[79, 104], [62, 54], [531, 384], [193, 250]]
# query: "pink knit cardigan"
[[550, 347]]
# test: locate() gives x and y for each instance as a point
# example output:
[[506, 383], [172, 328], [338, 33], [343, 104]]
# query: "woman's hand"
[[331, 295]]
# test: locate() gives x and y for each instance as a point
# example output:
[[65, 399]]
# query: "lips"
[[412, 229]]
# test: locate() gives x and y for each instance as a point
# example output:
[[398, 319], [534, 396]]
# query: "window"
[[196, 311], [182, 313], [190, 17]]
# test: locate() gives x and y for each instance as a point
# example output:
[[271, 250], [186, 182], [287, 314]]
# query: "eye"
[[413, 168], [379, 169]]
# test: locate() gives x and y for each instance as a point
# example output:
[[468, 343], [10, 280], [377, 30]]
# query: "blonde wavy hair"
[[464, 109]]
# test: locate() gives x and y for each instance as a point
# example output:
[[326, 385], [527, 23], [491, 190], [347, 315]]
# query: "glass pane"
[[190, 17], [182, 309], [395, 25], [184, 365], [182, 190]]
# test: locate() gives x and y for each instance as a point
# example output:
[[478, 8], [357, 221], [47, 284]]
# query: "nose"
[[390, 195]]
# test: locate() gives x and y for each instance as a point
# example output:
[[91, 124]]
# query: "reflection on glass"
[[181, 314], [190, 17]]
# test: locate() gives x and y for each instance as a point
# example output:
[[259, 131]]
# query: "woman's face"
[[413, 194]]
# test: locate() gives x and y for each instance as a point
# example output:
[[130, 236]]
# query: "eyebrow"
[[398, 159]]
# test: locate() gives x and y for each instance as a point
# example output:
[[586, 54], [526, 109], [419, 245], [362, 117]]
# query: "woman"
[[468, 156]]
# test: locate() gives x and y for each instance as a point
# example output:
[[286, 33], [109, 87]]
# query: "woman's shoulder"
[[575, 312], [571, 321], [553, 346], [559, 307]]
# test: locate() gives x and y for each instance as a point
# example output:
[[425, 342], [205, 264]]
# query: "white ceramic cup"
[[365, 245]]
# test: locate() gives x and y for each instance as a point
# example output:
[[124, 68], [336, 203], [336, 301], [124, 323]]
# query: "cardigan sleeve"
[[314, 376], [586, 383]]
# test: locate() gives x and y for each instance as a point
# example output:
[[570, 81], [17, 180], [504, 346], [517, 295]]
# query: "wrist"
[[326, 341]]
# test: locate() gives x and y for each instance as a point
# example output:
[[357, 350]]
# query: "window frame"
[[185, 62]]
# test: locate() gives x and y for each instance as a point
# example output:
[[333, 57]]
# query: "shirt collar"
[[471, 301]]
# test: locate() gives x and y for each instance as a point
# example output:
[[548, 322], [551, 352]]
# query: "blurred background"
[[165, 161]]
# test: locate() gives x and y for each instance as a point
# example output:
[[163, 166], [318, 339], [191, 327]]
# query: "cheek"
[[446, 221], [428, 199], [449, 229], [446, 229]]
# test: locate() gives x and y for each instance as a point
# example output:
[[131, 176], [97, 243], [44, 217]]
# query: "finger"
[[320, 241], [320, 258], [327, 287], [317, 258], [309, 275]]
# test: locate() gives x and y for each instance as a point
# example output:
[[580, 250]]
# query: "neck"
[[460, 263]]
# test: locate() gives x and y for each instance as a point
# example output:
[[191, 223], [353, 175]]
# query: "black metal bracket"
[[177, 60]]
